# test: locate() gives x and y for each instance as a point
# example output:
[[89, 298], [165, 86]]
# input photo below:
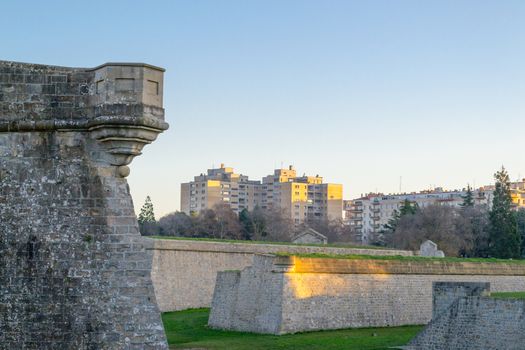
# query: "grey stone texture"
[[74, 270], [181, 283], [430, 249], [249, 300], [472, 321], [444, 294], [279, 295]]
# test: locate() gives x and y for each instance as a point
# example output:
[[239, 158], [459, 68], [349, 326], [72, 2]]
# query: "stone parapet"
[[398, 267], [119, 104], [267, 248]]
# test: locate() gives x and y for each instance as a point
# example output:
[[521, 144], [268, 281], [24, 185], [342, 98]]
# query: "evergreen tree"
[[385, 235], [468, 198], [520, 219], [406, 208], [504, 239], [246, 223], [146, 212], [253, 223]]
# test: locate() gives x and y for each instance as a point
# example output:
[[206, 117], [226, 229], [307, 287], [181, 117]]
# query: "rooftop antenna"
[[400, 184]]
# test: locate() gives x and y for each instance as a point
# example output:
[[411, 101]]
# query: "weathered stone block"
[[444, 294], [430, 249], [465, 318]]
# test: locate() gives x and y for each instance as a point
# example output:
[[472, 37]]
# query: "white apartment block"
[[220, 185], [369, 214]]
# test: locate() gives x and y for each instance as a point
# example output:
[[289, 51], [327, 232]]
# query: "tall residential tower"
[[299, 198]]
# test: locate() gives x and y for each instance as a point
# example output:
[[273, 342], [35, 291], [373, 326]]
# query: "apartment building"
[[299, 198], [517, 193], [217, 186], [302, 197], [369, 214]]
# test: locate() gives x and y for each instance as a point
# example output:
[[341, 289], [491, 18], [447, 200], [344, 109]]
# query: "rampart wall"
[[184, 271], [322, 293], [471, 320]]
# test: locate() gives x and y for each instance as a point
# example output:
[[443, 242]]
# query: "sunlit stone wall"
[[318, 293], [184, 271]]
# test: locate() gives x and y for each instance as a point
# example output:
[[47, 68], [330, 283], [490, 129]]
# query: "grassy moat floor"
[[188, 329], [508, 295]]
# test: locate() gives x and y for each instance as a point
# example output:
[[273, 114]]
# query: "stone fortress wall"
[[184, 271], [281, 295], [74, 271], [465, 318]]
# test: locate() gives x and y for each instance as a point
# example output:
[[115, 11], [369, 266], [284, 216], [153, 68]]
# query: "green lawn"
[[508, 295], [187, 329]]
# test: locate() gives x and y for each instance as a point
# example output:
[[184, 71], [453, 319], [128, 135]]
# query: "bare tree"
[[335, 230], [278, 227], [473, 225], [437, 223], [227, 223], [176, 224], [204, 224]]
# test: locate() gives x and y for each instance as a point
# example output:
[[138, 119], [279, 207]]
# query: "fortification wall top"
[[420, 266], [263, 248], [118, 104], [39, 97]]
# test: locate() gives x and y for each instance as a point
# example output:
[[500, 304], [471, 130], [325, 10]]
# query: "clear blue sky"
[[360, 92]]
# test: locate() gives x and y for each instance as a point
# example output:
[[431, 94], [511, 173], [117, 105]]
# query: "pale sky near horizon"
[[359, 92]]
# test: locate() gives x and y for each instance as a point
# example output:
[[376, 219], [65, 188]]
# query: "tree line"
[[222, 222], [469, 231]]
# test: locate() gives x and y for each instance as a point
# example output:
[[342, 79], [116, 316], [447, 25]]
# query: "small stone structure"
[[430, 249], [74, 270], [279, 295], [310, 236], [180, 283], [465, 318]]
